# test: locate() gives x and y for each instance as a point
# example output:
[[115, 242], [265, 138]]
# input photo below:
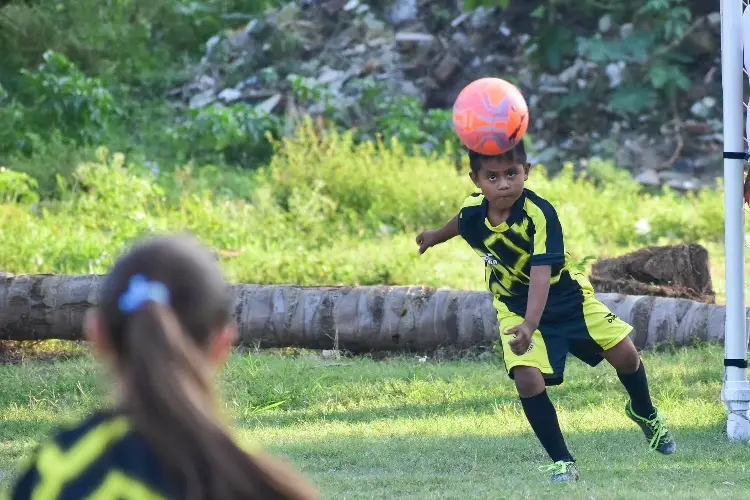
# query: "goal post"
[[736, 390]]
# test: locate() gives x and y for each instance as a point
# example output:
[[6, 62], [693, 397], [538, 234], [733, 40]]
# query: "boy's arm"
[[548, 250], [539, 283], [448, 231], [429, 239]]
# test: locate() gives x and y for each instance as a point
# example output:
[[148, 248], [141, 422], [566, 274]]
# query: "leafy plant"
[[237, 134], [59, 96], [655, 65], [17, 187]]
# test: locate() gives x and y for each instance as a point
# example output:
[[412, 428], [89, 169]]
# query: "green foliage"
[[56, 97], [52, 156], [367, 182], [236, 134], [276, 224], [391, 115], [134, 42], [57, 94], [17, 187], [656, 68]]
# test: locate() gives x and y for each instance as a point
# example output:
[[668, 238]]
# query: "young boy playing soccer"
[[546, 308]]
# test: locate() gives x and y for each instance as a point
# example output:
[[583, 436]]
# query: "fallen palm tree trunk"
[[358, 319]]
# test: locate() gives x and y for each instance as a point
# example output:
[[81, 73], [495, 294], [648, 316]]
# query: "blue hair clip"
[[140, 291]]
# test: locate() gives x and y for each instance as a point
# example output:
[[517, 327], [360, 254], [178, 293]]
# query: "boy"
[[545, 306]]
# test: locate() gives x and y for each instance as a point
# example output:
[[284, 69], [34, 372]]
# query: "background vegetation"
[[93, 155]]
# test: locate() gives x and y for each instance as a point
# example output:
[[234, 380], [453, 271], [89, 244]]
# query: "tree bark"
[[358, 319]]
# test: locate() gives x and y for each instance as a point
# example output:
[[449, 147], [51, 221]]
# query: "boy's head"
[[501, 178]]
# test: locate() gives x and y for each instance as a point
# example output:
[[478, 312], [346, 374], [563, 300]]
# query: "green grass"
[[401, 428]]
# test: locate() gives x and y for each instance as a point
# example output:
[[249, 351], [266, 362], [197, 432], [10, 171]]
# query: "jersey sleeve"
[[471, 206], [26, 481], [547, 239]]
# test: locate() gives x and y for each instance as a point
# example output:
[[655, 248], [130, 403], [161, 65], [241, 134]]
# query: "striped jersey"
[[101, 458], [532, 235]]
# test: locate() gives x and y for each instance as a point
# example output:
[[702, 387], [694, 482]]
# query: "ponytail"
[[169, 395]]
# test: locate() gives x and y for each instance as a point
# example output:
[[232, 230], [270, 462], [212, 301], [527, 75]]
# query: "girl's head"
[[163, 322], [163, 281], [501, 177]]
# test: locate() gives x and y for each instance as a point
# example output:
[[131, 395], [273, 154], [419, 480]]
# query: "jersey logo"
[[490, 259]]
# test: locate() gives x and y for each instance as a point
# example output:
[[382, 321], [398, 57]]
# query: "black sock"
[[637, 387], [543, 419]]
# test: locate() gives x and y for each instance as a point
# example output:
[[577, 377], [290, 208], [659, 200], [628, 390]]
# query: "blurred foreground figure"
[[163, 327]]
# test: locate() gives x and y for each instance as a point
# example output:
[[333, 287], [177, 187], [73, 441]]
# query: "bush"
[[237, 134], [368, 182], [129, 42], [56, 97], [327, 210]]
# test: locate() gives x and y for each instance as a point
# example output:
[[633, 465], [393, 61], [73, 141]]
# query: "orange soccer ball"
[[490, 116]]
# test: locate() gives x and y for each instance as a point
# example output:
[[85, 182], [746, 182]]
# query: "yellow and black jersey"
[[102, 458], [532, 235]]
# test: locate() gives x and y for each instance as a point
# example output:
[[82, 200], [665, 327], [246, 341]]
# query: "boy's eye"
[[492, 177]]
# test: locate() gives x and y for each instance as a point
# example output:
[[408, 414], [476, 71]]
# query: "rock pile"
[[317, 55]]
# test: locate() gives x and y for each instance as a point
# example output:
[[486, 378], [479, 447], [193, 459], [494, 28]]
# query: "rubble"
[[316, 54]]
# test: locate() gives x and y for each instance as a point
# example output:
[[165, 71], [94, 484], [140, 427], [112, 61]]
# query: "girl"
[[163, 326]]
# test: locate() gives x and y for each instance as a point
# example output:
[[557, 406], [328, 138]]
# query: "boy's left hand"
[[523, 333]]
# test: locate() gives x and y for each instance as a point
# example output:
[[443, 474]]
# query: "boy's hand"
[[425, 240], [522, 338]]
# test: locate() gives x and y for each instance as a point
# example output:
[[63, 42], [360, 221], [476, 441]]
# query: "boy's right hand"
[[425, 240]]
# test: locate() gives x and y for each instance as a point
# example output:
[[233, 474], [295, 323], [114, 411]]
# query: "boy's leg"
[[631, 372], [540, 412], [612, 336], [528, 371], [624, 358]]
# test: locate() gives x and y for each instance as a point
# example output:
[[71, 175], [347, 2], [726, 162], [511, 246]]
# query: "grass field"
[[401, 428]]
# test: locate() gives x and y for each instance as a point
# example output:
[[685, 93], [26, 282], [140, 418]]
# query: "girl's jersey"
[[532, 235], [102, 458]]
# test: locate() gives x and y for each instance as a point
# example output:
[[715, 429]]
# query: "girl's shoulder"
[[101, 451]]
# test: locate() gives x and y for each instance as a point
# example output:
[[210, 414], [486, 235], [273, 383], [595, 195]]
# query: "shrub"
[[235, 134], [327, 210]]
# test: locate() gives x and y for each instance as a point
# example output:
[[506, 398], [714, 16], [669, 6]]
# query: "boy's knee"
[[529, 381], [624, 357]]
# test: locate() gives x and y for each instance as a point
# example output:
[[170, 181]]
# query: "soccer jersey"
[[101, 458], [532, 235]]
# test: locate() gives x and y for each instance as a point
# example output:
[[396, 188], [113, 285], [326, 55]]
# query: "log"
[[357, 319], [678, 271]]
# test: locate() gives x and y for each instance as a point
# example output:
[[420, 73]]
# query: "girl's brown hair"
[[160, 305]]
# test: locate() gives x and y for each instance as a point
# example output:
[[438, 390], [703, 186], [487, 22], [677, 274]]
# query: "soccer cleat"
[[562, 471], [658, 436]]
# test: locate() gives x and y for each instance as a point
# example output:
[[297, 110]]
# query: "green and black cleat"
[[658, 436], [562, 471]]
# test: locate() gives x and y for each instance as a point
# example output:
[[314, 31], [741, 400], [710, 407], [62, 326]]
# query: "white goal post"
[[735, 33]]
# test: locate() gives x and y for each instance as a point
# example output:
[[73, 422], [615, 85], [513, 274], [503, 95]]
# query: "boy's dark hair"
[[159, 345], [515, 155]]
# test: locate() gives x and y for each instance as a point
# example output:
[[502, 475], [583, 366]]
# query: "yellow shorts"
[[587, 329]]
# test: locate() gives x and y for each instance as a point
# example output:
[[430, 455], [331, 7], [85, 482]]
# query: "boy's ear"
[[473, 178], [526, 168]]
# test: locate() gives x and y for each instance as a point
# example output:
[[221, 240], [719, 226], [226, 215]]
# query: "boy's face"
[[501, 181]]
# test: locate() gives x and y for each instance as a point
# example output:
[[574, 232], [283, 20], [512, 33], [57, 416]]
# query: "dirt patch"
[[679, 271], [14, 352]]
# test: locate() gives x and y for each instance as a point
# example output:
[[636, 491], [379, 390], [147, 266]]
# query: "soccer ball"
[[490, 116]]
